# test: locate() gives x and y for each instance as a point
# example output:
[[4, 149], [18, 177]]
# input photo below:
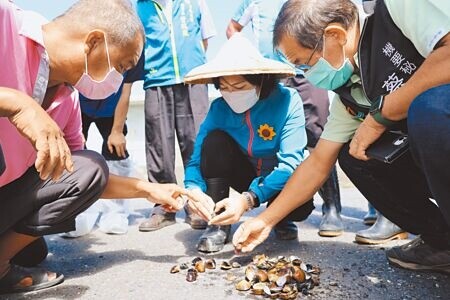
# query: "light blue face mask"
[[325, 76]]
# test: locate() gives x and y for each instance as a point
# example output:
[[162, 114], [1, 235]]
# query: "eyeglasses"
[[302, 67]]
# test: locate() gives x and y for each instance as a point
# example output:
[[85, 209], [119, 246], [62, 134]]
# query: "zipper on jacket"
[[252, 133]]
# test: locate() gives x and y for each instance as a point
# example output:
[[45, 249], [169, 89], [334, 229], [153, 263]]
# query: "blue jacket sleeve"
[[193, 177], [290, 154]]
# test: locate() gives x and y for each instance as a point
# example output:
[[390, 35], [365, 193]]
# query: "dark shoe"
[[416, 255], [331, 224], [10, 283], [371, 216], [158, 219], [194, 220], [286, 230], [31, 255], [381, 232], [214, 238]]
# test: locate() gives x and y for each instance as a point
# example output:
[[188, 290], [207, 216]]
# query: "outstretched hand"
[[250, 234]]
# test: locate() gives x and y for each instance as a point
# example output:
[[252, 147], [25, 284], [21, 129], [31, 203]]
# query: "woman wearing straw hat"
[[251, 140]]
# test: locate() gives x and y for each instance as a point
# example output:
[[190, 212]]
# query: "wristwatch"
[[375, 112], [252, 199]]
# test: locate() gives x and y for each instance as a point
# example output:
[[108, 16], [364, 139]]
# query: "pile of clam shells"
[[274, 278], [198, 265], [279, 278]]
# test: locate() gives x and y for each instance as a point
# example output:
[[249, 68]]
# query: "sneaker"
[[158, 219], [286, 230], [194, 220], [417, 255]]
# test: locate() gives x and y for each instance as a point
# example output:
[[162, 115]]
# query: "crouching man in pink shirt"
[[46, 178]]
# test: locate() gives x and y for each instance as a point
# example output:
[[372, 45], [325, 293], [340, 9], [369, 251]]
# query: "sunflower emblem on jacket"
[[266, 132]]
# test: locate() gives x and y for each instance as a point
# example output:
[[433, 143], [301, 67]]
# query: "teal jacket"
[[170, 53], [272, 135]]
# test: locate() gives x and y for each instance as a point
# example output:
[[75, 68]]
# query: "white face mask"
[[240, 101]]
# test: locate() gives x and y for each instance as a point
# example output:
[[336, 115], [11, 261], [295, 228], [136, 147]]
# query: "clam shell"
[[243, 285], [191, 275], [210, 263], [258, 288], [225, 265], [175, 269], [200, 266]]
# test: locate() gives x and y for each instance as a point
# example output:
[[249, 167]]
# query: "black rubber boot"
[[381, 232], [331, 224], [215, 237]]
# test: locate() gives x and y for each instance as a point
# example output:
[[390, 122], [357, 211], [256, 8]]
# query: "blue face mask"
[[325, 76]]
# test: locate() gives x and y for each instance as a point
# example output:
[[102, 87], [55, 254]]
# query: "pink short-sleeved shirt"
[[25, 67]]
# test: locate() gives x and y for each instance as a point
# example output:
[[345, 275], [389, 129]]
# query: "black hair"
[[267, 82]]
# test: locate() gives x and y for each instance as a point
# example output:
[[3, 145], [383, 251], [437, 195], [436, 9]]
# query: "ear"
[[336, 32], [94, 39]]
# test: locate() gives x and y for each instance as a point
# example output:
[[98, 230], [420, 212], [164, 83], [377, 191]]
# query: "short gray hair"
[[306, 20], [116, 17]]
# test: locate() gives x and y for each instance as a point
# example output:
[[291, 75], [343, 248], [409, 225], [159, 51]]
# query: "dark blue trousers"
[[401, 191]]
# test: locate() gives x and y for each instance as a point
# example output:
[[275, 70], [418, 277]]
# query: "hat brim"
[[205, 73]]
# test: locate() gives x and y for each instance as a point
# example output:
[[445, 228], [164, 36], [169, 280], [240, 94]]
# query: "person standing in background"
[[177, 34], [261, 14]]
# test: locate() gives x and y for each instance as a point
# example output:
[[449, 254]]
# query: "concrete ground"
[[136, 265]]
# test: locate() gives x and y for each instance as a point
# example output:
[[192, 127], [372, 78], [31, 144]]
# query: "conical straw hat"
[[238, 57]]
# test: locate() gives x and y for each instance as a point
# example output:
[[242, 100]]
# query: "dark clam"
[[195, 260], [175, 269], [191, 275], [225, 265], [210, 263], [184, 266]]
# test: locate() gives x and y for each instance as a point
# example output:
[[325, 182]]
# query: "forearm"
[[13, 101], [124, 187], [120, 114], [433, 72], [232, 28], [304, 183]]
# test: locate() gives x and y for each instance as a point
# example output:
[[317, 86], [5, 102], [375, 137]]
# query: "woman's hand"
[[230, 210], [200, 203], [250, 234]]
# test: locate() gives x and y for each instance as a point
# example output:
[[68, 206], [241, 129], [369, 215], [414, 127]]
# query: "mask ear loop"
[[85, 63], [107, 53], [323, 51]]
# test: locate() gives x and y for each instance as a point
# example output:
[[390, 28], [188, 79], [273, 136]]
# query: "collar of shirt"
[[31, 27]]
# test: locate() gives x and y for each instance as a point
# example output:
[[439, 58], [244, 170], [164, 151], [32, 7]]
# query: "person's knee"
[[432, 105], [214, 142], [93, 170], [216, 154]]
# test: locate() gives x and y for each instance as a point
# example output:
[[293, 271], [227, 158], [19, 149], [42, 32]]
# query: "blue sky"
[[221, 14], [220, 11]]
